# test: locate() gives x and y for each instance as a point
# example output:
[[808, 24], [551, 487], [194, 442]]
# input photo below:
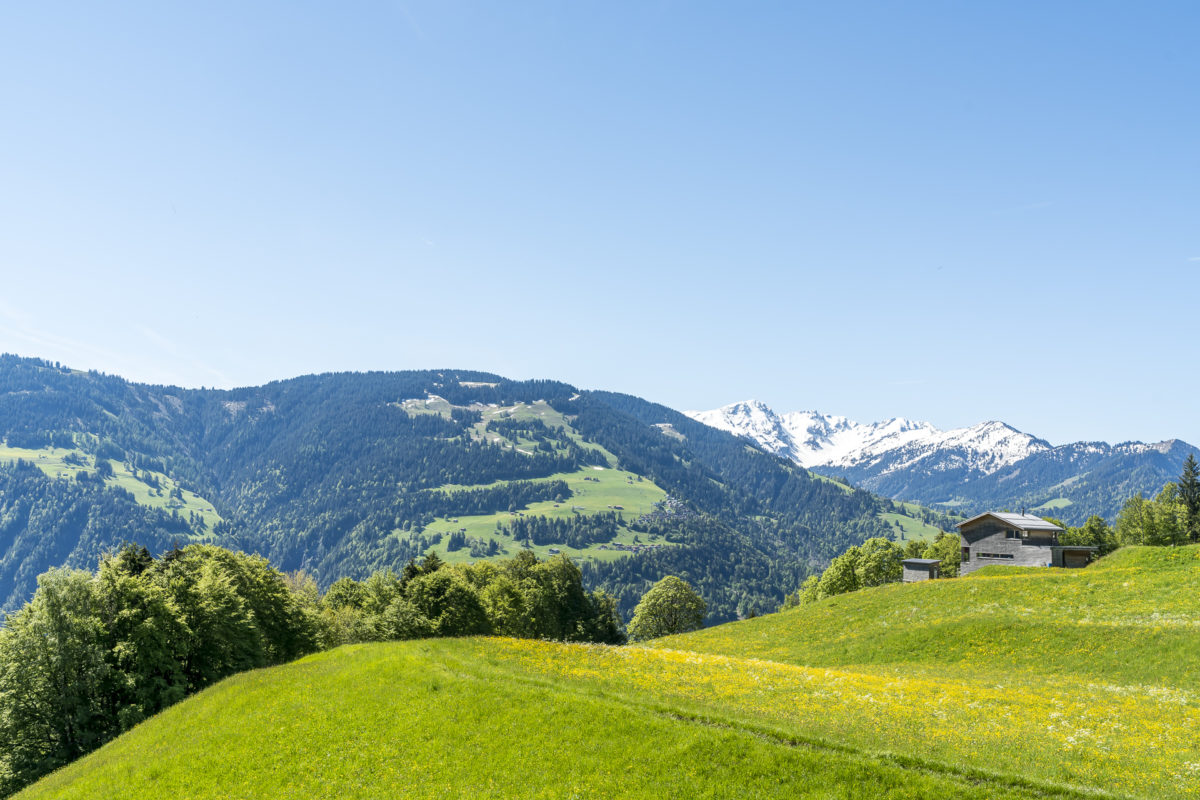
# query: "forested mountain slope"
[[344, 474]]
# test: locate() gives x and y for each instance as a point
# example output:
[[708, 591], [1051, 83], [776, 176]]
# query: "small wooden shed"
[[921, 569]]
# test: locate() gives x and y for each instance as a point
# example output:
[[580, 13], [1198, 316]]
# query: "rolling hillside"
[[346, 474], [917, 691]]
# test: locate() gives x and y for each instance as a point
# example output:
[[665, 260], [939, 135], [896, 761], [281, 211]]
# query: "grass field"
[[1056, 503], [826, 479], [52, 461], [1009, 683], [1095, 672], [594, 490], [539, 410], [470, 718], [910, 527]]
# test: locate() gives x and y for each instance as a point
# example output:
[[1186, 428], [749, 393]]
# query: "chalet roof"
[[924, 562], [1025, 522]]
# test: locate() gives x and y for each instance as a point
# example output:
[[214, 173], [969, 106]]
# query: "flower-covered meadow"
[[1087, 678], [1135, 740]]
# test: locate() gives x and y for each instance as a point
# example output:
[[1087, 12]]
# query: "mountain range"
[[991, 465], [344, 474]]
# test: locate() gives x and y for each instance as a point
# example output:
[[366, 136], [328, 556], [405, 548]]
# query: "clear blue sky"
[[943, 210]]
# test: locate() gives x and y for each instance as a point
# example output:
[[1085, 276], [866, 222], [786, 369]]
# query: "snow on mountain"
[[750, 420], [986, 466], [812, 439]]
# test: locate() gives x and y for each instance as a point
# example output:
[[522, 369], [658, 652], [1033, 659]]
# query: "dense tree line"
[[577, 531], [874, 563], [521, 597], [1170, 518], [92, 654], [737, 576]]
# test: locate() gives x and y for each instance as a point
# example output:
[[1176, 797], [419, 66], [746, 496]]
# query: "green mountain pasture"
[[1009, 683], [466, 718]]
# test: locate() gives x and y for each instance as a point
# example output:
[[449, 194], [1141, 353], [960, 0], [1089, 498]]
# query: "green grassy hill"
[[1133, 617], [1009, 683], [1086, 677], [472, 718]]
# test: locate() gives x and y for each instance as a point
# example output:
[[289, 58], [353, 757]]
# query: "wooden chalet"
[[1016, 539]]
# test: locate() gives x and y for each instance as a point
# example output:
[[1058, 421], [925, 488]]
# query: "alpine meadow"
[[375, 411], [489, 544]]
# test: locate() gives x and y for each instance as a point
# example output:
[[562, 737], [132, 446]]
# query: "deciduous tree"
[[670, 606], [842, 575], [879, 562]]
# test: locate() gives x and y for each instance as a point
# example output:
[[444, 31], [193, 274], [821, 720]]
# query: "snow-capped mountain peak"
[[986, 466], [752, 420], [813, 439]]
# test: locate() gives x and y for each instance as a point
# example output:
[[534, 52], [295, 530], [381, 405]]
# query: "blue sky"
[[942, 210]]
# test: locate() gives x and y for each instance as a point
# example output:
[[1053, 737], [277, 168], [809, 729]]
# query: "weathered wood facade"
[[1021, 540]]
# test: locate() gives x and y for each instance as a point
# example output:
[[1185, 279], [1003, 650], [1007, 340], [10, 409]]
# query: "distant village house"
[[1021, 540]]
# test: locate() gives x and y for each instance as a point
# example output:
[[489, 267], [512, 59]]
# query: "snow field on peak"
[[813, 439]]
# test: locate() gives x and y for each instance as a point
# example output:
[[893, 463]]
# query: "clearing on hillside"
[[149, 488]]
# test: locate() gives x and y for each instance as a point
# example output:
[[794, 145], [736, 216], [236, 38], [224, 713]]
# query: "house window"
[[966, 554]]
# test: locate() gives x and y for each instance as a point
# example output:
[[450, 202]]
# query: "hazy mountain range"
[[984, 466]]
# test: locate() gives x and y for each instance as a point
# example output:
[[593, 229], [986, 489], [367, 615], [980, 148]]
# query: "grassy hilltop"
[[1010, 683]]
